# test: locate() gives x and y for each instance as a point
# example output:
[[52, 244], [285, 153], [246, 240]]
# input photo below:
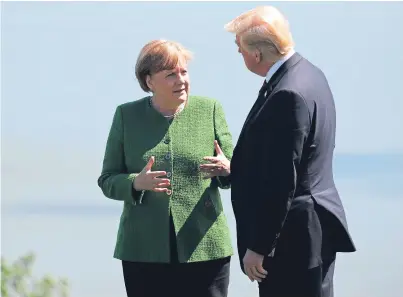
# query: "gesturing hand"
[[218, 166], [149, 180], [253, 266]]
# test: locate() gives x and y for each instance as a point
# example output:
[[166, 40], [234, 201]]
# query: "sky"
[[66, 66]]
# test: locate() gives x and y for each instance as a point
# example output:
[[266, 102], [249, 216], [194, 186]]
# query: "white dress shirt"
[[278, 64]]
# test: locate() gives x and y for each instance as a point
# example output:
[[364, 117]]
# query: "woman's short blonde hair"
[[158, 55], [264, 29]]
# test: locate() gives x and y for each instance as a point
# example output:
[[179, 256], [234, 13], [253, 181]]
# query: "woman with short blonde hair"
[[159, 55], [166, 157]]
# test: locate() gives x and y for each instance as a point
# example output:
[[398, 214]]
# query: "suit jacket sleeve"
[[278, 136], [224, 138], [116, 183]]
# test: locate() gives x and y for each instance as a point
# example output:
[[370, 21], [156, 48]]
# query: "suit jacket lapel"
[[258, 102], [267, 88], [255, 106]]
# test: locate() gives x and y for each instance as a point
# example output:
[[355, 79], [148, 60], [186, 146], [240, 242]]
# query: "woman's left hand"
[[218, 166]]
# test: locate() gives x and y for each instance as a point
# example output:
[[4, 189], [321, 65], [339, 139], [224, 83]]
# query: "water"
[[76, 240]]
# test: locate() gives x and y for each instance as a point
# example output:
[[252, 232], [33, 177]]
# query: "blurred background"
[[66, 66]]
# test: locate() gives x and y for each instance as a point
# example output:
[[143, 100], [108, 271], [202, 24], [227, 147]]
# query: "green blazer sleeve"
[[224, 138], [116, 183]]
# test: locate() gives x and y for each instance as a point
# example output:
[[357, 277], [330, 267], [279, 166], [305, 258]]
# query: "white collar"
[[278, 64]]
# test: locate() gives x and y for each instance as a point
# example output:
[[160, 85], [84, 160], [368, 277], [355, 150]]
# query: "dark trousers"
[[174, 279], [314, 282], [286, 277]]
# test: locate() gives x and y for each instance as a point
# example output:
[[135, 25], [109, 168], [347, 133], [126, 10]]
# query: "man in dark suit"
[[290, 219]]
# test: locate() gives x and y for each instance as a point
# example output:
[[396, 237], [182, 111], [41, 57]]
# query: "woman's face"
[[171, 85]]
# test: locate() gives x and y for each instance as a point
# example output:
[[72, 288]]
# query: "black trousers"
[[199, 279], [313, 282], [286, 278]]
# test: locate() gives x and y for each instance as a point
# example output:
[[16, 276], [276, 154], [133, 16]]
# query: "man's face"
[[250, 60]]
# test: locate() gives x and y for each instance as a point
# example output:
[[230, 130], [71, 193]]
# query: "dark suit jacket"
[[281, 170]]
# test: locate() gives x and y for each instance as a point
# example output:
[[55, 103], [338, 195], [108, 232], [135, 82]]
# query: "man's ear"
[[258, 56]]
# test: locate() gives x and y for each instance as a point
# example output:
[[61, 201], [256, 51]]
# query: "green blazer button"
[[208, 203]]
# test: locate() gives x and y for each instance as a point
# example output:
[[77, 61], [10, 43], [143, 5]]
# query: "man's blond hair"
[[264, 29]]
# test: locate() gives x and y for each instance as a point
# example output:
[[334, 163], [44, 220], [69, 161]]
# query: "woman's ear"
[[149, 83]]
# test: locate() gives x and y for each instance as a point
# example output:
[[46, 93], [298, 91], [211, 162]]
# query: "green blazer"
[[138, 132]]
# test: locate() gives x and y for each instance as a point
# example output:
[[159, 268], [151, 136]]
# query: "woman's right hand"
[[149, 180]]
